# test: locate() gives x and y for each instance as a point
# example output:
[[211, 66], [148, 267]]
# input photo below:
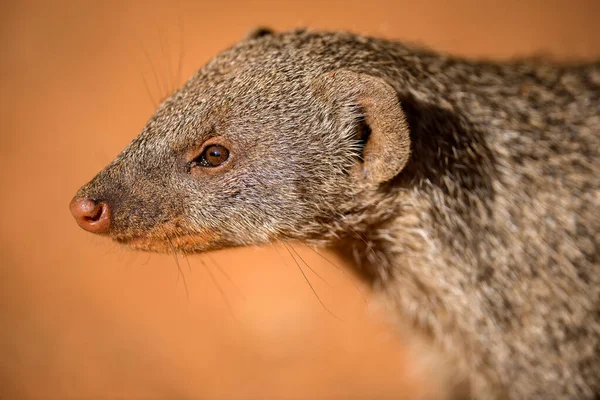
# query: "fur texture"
[[466, 191]]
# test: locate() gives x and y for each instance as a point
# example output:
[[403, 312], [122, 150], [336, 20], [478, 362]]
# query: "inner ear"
[[363, 132], [379, 124]]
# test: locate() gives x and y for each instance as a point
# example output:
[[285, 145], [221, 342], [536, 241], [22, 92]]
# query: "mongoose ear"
[[376, 117], [259, 31]]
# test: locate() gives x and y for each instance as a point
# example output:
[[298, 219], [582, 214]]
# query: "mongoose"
[[466, 191]]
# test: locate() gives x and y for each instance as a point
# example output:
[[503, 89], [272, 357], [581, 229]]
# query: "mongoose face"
[[266, 142]]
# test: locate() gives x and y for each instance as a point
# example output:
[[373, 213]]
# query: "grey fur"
[[486, 239]]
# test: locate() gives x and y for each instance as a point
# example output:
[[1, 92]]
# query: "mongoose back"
[[466, 191]]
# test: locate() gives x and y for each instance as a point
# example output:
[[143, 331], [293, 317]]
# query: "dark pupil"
[[216, 155]]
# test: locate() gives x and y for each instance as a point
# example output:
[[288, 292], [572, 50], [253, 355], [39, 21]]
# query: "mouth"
[[165, 243]]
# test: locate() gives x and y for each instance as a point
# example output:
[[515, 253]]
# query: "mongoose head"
[[273, 139]]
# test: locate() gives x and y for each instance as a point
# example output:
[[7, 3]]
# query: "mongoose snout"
[[91, 215]]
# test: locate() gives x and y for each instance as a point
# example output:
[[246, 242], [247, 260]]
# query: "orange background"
[[81, 317]]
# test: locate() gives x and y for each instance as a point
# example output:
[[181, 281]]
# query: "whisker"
[[147, 260], [159, 83], [166, 54], [144, 80], [224, 272], [219, 288], [181, 49], [152, 68], [361, 237], [309, 284], [341, 270], [131, 258], [280, 255], [149, 92], [187, 293], [188, 261], [308, 266]]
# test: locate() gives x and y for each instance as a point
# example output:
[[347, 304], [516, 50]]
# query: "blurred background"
[[82, 318]]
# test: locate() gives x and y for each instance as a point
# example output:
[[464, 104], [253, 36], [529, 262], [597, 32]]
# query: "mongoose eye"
[[212, 156]]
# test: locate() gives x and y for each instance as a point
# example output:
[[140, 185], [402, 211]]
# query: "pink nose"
[[90, 215]]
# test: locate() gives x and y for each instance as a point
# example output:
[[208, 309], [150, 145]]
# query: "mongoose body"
[[466, 191]]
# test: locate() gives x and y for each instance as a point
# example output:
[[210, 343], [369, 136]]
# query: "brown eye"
[[213, 156]]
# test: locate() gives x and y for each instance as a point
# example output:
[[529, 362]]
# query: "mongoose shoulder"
[[466, 191]]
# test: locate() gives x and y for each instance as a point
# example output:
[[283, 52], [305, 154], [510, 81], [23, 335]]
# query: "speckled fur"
[[487, 240]]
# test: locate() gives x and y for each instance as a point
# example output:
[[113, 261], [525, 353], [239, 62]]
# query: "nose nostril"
[[91, 215], [96, 213]]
